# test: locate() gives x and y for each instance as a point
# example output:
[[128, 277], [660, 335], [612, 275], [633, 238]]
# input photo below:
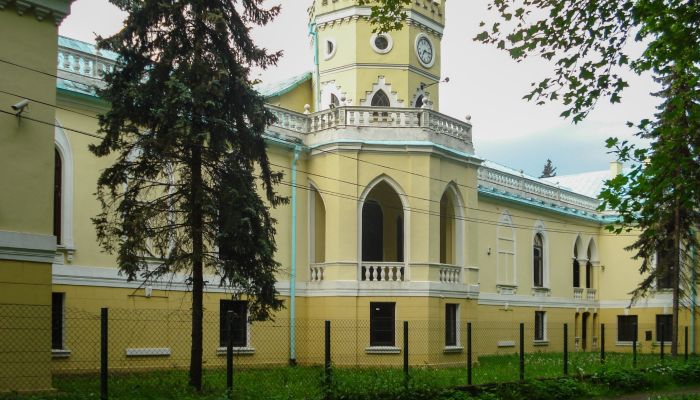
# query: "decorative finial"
[[469, 117], [307, 109]]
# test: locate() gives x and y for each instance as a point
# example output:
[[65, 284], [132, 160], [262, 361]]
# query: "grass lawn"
[[307, 382]]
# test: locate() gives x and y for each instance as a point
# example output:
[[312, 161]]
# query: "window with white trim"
[[451, 329], [540, 326], [382, 324], [240, 322], [538, 261], [506, 251], [380, 99], [58, 321]]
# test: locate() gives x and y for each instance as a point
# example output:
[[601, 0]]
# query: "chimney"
[[615, 169]]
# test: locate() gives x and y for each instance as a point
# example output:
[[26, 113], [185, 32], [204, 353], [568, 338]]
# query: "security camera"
[[20, 107]]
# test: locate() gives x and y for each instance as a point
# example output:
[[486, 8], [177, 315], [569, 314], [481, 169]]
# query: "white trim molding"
[[19, 246], [67, 191], [384, 86], [148, 352]]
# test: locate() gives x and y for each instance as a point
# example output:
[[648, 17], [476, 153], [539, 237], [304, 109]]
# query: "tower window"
[[334, 100], [419, 102], [381, 43], [330, 49], [380, 99]]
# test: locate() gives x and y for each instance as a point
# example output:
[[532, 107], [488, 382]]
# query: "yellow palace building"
[[394, 217]]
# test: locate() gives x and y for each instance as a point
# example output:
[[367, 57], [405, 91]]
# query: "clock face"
[[424, 50]]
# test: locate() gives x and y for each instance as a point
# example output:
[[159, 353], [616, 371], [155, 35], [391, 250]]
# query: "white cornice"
[[366, 12], [57, 9], [18, 246]]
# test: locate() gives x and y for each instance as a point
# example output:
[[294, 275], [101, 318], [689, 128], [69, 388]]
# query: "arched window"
[[419, 102], [589, 270], [538, 261], [317, 228], [576, 269], [334, 100], [57, 189], [447, 230], [664, 264], [380, 99], [372, 232]]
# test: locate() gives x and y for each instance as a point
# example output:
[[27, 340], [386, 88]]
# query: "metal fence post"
[[328, 358], [634, 347], [522, 351], [685, 356], [405, 354], [602, 343], [229, 352], [662, 341], [104, 352], [566, 349], [469, 353]]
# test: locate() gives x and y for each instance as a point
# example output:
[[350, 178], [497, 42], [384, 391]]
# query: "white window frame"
[[544, 338], [326, 54], [389, 39], [505, 226]]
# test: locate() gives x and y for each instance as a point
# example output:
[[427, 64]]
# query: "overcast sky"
[[484, 83]]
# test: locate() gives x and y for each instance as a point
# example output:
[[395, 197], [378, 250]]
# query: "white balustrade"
[[528, 188], [316, 272], [383, 272], [578, 293], [450, 274], [590, 294]]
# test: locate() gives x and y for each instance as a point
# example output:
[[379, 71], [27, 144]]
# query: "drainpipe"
[[313, 31], [293, 275]]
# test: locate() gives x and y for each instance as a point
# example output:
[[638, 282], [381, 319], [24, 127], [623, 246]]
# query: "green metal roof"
[[282, 87], [85, 47]]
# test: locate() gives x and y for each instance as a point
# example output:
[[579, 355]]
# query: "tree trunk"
[[676, 276], [197, 268]]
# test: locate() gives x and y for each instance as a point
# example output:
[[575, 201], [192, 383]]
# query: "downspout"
[[313, 31], [293, 275]]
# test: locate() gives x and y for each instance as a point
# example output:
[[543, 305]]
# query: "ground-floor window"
[[451, 324], [540, 325], [664, 325], [57, 320], [382, 324], [240, 322], [626, 328]]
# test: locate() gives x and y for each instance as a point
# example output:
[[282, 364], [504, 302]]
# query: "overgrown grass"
[[369, 383]]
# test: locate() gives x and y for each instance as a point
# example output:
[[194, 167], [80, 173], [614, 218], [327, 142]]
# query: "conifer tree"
[[185, 133], [549, 170]]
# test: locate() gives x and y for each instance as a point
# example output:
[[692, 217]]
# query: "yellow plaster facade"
[[393, 206]]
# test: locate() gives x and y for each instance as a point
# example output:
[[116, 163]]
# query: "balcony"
[[383, 272]]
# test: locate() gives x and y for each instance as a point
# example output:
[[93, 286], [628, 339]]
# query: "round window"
[[381, 42]]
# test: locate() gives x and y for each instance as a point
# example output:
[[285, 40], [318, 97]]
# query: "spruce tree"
[[549, 170], [185, 133]]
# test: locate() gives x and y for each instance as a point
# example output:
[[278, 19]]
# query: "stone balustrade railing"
[[532, 189], [450, 274], [82, 67], [578, 293], [590, 294], [383, 272], [316, 272]]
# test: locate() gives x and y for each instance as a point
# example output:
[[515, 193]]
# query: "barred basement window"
[[626, 328], [664, 323], [382, 324], [451, 324], [57, 321], [240, 322], [540, 326]]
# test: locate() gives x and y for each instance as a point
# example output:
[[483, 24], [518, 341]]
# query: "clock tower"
[[359, 67]]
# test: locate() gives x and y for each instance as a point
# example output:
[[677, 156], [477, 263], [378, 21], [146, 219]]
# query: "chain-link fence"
[[152, 347]]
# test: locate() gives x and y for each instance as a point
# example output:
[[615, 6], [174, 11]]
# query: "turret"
[[359, 67]]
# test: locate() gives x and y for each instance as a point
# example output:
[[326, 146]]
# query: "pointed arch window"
[[419, 102], [380, 99], [335, 102], [57, 190], [506, 251], [576, 269], [538, 261]]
